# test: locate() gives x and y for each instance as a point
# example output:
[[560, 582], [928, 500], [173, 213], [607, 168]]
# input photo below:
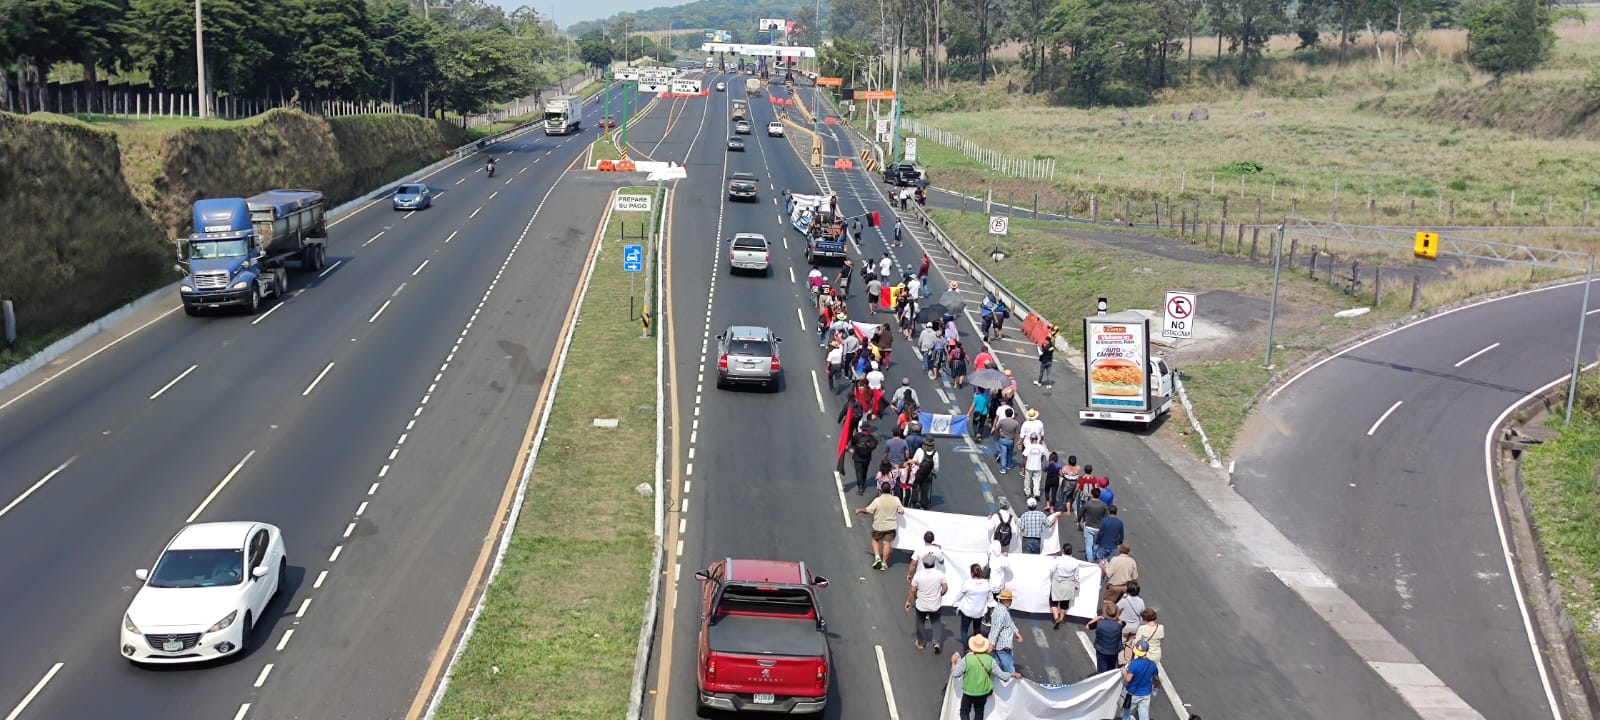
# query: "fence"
[[1018, 167]]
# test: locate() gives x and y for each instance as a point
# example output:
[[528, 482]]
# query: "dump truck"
[[563, 114], [752, 86], [240, 248], [741, 110]]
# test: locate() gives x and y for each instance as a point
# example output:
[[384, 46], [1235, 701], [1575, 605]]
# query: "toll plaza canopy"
[[759, 50]]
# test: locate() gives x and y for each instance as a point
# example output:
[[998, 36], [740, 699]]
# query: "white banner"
[[966, 540], [1093, 698]]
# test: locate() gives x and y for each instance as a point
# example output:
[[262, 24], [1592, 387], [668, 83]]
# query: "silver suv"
[[747, 354]]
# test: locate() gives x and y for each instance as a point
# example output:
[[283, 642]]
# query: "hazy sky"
[[572, 11]]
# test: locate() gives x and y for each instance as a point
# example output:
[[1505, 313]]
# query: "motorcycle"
[[489, 168]]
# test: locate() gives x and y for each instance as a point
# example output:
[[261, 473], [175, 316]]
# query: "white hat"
[[1033, 502]]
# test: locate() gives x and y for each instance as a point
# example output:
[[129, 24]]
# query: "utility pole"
[[894, 108], [427, 106], [202, 98]]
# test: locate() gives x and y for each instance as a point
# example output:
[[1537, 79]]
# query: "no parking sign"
[[1178, 315]]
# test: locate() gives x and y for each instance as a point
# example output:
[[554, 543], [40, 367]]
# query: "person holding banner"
[[1003, 631], [974, 602], [977, 673]]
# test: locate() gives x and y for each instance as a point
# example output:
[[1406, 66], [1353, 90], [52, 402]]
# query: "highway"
[[756, 478], [374, 415], [1388, 491]]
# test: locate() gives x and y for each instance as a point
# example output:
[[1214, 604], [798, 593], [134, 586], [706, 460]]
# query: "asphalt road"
[[374, 416], [755, 453], [1387, 488]]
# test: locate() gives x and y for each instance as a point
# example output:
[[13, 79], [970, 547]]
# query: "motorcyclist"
[[489, 166]]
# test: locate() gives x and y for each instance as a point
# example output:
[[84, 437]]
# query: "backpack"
[[925, 468], [864, 445], [1002, 531]]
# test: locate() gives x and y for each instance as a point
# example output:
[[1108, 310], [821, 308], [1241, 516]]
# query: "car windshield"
[[744, 177], [748, 243], [198, 568], [750, 348], [409, 190], [206, 249]]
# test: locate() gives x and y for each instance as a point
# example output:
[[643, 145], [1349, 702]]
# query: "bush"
[[1243, 167], [1457, 185]]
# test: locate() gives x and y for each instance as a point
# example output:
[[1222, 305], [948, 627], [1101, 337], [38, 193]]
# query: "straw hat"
[[978, 644], [1033, 414]]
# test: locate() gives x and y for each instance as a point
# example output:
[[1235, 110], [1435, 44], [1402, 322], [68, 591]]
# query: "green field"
[[560, 623], [1561, 479]]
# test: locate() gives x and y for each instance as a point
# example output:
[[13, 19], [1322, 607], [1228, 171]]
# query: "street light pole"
[[201, 97], [1272, 306], [1577, 352]]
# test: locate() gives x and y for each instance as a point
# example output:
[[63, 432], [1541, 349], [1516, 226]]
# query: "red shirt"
[[983, 360], [924, 269]]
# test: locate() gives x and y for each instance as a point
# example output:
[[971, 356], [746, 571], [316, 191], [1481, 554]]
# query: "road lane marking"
[[844, 507], [243, 710], [325, 370], [374, 237], [321, 577], [817, 386], [497, 192], [475, 212], [86, 358], [408, 215], [324, 273], [175, 380], [397, 290], [37, 485], [888, 690], [1475, 355], [285, 641], [37, 687], [1383, 417], [262, 678], [269, 311], [225, 480], [800, 314], [419, 268]]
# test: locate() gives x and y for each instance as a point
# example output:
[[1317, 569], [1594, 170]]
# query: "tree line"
[[1119, 51], [463, 55]]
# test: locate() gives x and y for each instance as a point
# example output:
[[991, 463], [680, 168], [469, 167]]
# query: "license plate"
[[765, 698], [172, 645]]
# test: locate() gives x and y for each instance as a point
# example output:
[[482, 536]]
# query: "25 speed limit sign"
[[1178, 316], [998, 224]]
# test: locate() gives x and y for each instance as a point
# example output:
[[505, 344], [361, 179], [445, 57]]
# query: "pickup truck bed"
[[742, 635]]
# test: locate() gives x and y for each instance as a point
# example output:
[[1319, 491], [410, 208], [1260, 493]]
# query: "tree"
[[403, 65], [478, 67], [1509, 36], [594, 50], [1105, 39], [338, 52]]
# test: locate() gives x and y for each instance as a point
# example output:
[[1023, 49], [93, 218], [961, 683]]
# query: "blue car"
[[412, 197]]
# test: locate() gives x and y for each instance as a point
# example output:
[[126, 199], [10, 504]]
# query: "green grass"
[[605, 148], [561, 623], [1413, 141], [26, 346], [1561, 479]]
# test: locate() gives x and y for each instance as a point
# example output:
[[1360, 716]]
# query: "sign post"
[[1177, 318], [632, 263]]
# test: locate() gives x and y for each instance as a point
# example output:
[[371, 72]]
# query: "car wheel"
[[191, 311], [283, 577], [244, 632]]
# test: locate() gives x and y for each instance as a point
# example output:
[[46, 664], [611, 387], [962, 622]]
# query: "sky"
[[574, 11]]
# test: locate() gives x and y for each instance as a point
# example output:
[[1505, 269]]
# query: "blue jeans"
[[1007, 663], [1140, 707], [1089, 536], [1032, 546], [1006, 447]]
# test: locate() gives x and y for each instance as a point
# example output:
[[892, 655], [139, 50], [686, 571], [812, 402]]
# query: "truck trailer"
[[1123, 381], [563, 114], [239, 251], [752, 86]]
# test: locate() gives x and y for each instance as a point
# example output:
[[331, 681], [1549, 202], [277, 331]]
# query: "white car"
[[775, 129], [207, 590], [722, 87]]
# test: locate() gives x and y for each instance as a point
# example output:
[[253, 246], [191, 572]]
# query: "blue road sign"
[[633, 258]]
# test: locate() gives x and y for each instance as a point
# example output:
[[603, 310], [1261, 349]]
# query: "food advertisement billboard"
[[1116, 359]]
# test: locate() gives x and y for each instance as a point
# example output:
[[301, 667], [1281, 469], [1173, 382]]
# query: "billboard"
[[1116, 353], [719, 36], [776, 29], [760, 50]]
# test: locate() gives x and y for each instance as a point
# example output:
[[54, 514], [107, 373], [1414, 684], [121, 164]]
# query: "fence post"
[[1416, 291], [1036, 206], [1238, 245], [1413, 217], [1294, 207], [1255, 237], [1183, 222], [1452, 219], [1313, 264], [1222, 233], [1208, 231], [1377, 286], [10, 314], [1294, 244], [1258, 211], [1333, 274], [1224, 209], [1094, 208]]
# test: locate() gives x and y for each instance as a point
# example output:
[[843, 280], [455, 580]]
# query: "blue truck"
[[239, 251], [809, 214]]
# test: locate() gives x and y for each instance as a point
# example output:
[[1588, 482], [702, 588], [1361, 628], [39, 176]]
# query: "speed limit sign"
[[998, 224]]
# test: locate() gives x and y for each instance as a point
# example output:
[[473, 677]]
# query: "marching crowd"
[[902, 463]]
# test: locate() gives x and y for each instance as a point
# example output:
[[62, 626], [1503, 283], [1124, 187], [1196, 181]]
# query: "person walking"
[[1131, 609], [1034, 454], [926, 595], [927, 341], [1052, 482], [1139, 679], [1003, 632], [1047, 362], [974, 601], [1069, 485], [1110, 536], [1006, 429], [977, 673], [1033, 523], [833, 365], [903, 394], [922, 272], [979, 415], [1151, 632], [1120, 571], [843, 283], [1107, 495], [895, 451], [1090, 517], [885, 264], [1064, 584], [899, 232], [885, 511], [1002, 524], [927, 461], [1107, 627], [929, 549], [874, 289], [1032, 430], [955, 359]]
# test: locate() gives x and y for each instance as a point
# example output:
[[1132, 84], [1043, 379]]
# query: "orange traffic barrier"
[[606, 166], [830, 121], [626, 166], [848, 164]]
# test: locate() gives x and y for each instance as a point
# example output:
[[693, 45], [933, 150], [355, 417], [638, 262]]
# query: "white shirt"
[[975, 597], [926, 550], [836, 355], [884, 266], [815, 273], [914, 287], [875, 380], [1031, 428], [922, 455], [929, 583], [999, 569], [1033, 457]]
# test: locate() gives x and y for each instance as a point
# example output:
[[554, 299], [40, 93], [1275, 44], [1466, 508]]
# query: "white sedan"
[[210, 586], [775, 129]]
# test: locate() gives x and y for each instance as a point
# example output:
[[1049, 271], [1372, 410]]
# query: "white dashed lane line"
[[324, 273], [174, 381], [273, 309], [324, 372], [33, 693], [225, 480], [35, 487], [381, 308], [374, 237]]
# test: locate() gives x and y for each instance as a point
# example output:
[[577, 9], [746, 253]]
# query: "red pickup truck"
[[763, 642]]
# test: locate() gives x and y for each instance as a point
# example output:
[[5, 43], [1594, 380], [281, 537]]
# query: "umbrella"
[[952, 300], [930, 312], [988, 379]]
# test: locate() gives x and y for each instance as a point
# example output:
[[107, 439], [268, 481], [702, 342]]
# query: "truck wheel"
[[191, 311], [322, 257], [255, 299]]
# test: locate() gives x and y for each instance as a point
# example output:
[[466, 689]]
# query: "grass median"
[[1560, 475], [560, 623]]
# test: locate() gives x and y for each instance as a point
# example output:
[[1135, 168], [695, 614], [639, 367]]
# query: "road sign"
[[633, 258], [626, 74], [911, 149], [998, 224], [631, 203], [1427, 246], [1178, 316], [874, 94], [830, 82]]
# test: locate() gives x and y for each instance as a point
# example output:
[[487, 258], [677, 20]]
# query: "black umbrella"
[[952, 300], [930, 312], [988, 379]]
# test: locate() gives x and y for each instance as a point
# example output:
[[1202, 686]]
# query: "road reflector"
[[1427, 246]]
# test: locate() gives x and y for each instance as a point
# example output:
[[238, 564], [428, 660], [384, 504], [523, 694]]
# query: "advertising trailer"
[[1122, 382]]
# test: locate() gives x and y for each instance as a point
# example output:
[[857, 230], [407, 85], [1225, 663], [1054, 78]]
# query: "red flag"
[[845, 432]]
